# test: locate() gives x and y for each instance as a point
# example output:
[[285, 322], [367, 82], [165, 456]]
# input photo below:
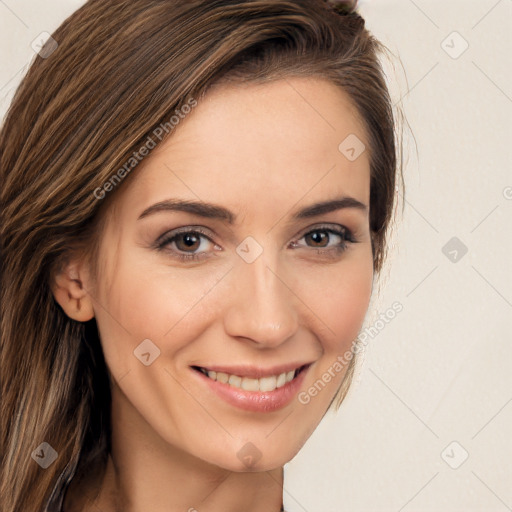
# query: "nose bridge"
[[261, 306]]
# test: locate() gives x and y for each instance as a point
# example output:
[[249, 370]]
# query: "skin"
[[264, 152]]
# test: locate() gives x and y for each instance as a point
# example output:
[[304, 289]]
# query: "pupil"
[[319, 236], [189, 240]]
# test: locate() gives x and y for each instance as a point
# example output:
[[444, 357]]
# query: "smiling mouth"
[[264, 384]]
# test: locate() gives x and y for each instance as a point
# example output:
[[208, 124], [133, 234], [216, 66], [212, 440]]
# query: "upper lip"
[[252, 371]]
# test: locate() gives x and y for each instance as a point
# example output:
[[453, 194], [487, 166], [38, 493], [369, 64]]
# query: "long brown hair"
[[121, 69]]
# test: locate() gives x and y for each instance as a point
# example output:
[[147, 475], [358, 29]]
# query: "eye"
[[187, 244], [194, 244], [326, 239]]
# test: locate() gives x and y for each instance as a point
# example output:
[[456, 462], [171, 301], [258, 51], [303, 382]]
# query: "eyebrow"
[[213, 211]]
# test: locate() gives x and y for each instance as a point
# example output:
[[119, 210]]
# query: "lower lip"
[[256, 401]]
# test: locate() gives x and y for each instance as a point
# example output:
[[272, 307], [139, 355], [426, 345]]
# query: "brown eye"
[[187, 245], [319, 238], [187, 242], [326, 240]]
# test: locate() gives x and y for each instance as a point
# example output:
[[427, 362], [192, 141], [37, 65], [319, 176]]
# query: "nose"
[[261, 306]]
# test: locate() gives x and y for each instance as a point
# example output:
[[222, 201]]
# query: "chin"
[[237, 466], [255, 457]]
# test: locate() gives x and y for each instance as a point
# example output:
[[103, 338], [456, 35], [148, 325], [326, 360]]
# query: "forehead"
[[247, 145]]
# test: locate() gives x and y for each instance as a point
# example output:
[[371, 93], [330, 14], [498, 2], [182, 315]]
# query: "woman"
[[196, 198]]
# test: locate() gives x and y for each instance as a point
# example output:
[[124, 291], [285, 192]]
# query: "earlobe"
[[69, 291]]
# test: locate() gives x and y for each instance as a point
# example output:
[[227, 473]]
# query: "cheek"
[[147, 300], [341, 299]]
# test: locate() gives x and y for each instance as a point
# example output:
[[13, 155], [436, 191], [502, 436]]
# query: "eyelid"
[[185, 229], [208, 233], [163, 242], [168, 237], [328, 227]]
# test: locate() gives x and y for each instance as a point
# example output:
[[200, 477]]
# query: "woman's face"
[[240, 271]]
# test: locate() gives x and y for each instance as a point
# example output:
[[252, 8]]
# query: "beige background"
[[436, 382]]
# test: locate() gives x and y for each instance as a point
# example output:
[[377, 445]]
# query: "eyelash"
[[343, 232]]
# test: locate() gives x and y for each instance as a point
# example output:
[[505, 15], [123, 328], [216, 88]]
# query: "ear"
[[68, 287]]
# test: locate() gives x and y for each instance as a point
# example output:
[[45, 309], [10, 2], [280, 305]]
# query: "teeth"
[[281, 380], [268, 383], [249, 384], [222, 377], [235, 381]]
